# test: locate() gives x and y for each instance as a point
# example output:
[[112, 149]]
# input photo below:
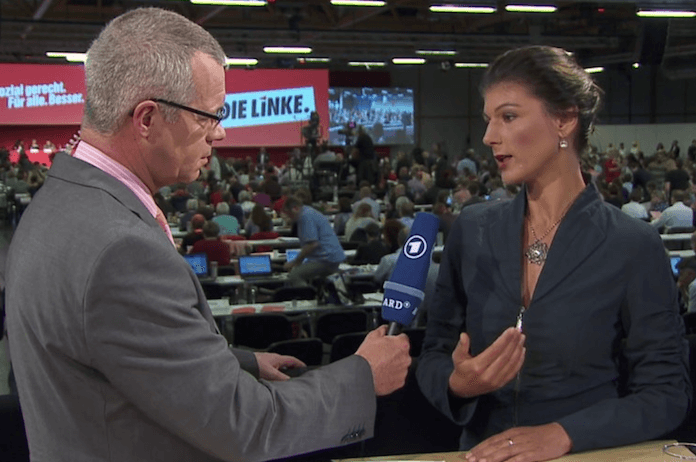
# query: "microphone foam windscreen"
[[403, 292]]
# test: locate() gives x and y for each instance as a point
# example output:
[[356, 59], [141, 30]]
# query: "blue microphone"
[[403, 292]]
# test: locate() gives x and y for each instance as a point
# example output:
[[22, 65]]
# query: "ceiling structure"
[[601, 33]]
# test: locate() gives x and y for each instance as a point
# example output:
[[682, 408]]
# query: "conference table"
[[650, 451]]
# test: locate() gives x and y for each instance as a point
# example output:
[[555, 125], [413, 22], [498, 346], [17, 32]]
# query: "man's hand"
[[523, 444], [271, 363], [490, 370], [388, 357], [289, 265]]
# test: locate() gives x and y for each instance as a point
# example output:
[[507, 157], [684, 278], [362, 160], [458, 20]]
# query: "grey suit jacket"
[[116, 352]]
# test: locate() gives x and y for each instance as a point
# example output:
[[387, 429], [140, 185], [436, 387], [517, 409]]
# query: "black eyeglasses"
[[216, 117]]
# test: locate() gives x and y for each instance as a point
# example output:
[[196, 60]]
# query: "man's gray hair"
[[143, 54]]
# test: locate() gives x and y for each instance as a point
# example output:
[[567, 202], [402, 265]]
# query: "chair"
[[13, 438], [308, 350], [345, 345], [260, 330], [332, 323], [285, 294]]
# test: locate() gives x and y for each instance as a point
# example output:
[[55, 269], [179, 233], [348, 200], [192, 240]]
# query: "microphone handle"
[[394, 328]]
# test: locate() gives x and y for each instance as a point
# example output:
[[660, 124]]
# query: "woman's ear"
[[567, 123]]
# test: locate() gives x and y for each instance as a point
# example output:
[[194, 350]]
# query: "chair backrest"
[[272, 308], [260, 330], [333, 323], [679, 229], [294, 293], [345, 345], [244, 310], [308, 350]]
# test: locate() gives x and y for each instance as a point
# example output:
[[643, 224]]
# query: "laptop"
[[291, 254], [674, 261], [254, 266], [199, 265]]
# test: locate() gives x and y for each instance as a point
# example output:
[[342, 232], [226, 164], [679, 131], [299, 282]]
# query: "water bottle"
[[252, 295]]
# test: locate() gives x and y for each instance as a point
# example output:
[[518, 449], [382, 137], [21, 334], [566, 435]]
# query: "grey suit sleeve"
[[146, 335], [658, 385]]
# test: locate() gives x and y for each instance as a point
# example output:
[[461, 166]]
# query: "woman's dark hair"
[[260, 218], [555, 77], [344, 205]]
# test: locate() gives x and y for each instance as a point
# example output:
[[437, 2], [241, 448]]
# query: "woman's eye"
[[509, 117]]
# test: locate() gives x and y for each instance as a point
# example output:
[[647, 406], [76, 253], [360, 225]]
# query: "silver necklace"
[[538, 250]]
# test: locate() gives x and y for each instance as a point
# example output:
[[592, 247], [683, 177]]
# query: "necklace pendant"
[[536, 253]]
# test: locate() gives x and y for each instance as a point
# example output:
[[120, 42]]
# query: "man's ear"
[[143, 116]]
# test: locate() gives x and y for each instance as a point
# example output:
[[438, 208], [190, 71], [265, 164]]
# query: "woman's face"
[[523, 136]]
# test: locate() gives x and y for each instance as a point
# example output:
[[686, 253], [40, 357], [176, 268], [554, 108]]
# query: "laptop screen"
[[254, 265], [675, 262], [198, 262], [291, 254]]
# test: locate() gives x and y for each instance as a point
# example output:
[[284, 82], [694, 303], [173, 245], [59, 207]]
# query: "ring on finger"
[[510, 442]]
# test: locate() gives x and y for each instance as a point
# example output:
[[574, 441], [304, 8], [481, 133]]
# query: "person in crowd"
[[256, 218], [211, 245], [678, 178], [360, 218], [468, 162], [195, 235], [113, 344], [370, 252], [191, 209], [404, 210], [345, 211], [365, 195], [634, 208], [676, 215], [364, 157], [612, 166], [164, 205], [444, 213], [245, 202], [641, 177], [320, 252], [229, 225], [691, 151], [534, 313]]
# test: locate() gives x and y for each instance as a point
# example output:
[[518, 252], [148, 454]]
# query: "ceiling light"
[[296, 50], [241, 61], [594, 70], [367, 63], [436, 52], [636, 65], [454, 8], [530, 8], [471, 65], [665, 14], [358, 2], [315, 60], [408, 60], [230, 2], [69, 56]]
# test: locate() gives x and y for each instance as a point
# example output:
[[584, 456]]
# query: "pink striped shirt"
[[95, 157]]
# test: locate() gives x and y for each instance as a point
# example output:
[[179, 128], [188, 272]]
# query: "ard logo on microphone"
[[415, 247], [396, 304]]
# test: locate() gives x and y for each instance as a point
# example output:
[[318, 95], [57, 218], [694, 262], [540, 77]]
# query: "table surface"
[[650, 451], [222, 307], [676, 237]]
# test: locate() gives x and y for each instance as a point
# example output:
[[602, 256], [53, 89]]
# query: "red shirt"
[[216, 250]]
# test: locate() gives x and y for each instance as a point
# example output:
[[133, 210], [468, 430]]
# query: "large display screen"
[[386, 114], [263, 107]]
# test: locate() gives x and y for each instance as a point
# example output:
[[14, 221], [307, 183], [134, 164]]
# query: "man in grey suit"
[[115, 349]]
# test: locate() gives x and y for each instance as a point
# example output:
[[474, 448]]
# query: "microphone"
[[403, 292]]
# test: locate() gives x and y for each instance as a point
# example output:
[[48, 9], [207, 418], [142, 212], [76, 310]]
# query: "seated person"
[[265, 231], [361, 218], [195, 235], [227, 223], [318, 241], [341, 218], [217, 250], [371, 252], [677, 215]]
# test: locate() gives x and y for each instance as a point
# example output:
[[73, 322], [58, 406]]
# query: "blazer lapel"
[[504, 238], [577, 238]]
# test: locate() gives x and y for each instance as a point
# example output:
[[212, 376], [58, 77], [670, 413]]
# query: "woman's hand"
[[523, 444], [490, 370]]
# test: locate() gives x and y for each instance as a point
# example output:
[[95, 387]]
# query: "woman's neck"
[[547, 201]]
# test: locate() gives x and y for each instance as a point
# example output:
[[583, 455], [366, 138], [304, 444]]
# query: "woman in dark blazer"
[[554, 325]]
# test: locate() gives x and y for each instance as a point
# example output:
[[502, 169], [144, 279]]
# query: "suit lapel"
[[577, 238]]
